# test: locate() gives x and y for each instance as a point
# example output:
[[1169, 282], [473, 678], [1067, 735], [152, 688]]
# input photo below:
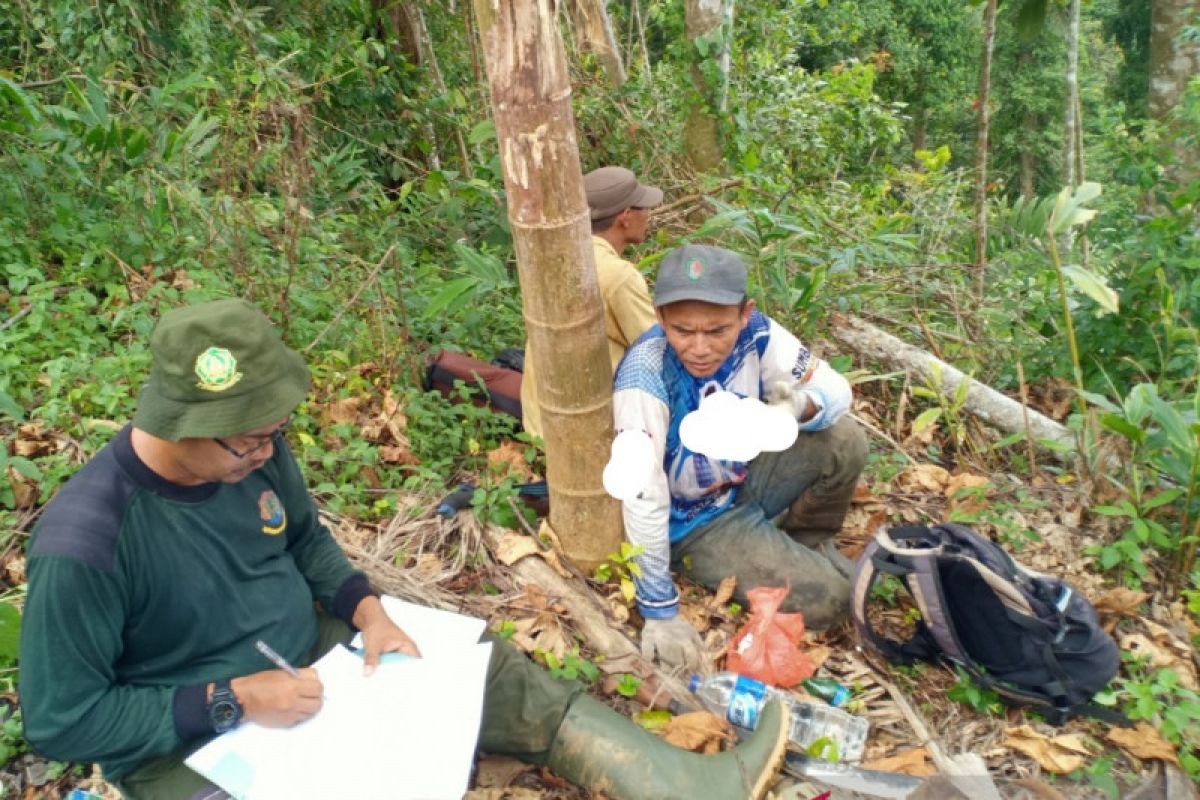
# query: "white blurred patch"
[[731, 428], [630, 465]]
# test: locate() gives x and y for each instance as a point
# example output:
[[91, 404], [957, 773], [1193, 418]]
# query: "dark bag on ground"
[[1028, 637], [502, 384]]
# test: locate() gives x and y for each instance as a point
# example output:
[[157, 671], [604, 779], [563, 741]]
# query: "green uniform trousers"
[[745, 542], [522, 709]]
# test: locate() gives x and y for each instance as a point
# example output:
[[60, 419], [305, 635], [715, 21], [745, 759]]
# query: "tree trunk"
[[1029, 129], [981, 147], [1172, 63], [920, 127], [1027, 157], [531, 104], [703, 21], [429, 59], [593, 28], [1070, 175]]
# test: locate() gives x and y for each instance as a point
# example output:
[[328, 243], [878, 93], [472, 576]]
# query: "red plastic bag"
[[767, 647]]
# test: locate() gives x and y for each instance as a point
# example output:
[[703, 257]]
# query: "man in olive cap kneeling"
[[190, 536]]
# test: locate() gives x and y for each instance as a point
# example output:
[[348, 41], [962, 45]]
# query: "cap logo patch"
[[217, 370], [695, 269]]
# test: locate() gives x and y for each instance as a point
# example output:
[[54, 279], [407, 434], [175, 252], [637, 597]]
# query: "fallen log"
[[590, 617], [984, 402]]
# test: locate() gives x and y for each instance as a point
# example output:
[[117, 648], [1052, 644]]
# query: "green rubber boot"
[[602, 751]]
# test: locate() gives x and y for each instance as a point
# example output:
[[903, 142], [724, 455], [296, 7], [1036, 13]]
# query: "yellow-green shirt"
[[628, 313]]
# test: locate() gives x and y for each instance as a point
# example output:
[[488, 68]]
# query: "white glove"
[[784, 394], [674, 642]]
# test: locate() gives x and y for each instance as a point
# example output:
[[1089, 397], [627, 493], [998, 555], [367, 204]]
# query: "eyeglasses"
[[274, 436]]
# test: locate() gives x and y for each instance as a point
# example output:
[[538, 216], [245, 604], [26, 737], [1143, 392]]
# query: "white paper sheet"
[[406, 732]]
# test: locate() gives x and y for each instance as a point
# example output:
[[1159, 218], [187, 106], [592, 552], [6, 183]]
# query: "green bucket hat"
[[219, 369]]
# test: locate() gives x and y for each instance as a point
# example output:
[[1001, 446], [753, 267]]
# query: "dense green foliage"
[[305, 155]]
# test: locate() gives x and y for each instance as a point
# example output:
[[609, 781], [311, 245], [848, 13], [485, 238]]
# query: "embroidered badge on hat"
[[217, 370], [270, 510], [695, 269]]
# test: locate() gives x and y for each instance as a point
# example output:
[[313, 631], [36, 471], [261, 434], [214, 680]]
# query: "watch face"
[[223, 710], [224, 713]]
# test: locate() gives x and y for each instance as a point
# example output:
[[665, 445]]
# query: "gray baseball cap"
[[700, 272], [611, 190]]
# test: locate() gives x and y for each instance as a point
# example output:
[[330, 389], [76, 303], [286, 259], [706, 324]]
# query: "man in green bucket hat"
[[191, 536]]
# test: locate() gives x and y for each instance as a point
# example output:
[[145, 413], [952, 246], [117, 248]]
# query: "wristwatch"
[[224, 710]]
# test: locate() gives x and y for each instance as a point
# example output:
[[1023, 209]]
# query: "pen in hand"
[[276, 659]]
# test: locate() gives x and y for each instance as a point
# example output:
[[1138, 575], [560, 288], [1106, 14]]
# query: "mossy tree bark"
[[705, 25], [1174, 60], [531, 104]]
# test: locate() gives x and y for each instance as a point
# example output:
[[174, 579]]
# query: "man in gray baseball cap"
[[619, 207], [717, 515]]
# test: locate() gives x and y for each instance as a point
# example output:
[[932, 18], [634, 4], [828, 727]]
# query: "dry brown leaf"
[[617, 608], [724, 592], [1175, 652], [32, 441], [923, 478], [395, 454], [1140, 645], [1121, 603], [963, 481], [14, 570], [428, 566], [914, 761], [696, 614], [515, 546], [547, 534], [973, 502], [342, 411], [1060, 755], [818, 654], [505, 793], [509, 459], [1143, 742], [698, 731], [551, 558], [863, 493], [25, 491], [535, 597], [498, 771]]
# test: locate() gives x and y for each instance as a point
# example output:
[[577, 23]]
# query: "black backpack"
[[1028, 637]]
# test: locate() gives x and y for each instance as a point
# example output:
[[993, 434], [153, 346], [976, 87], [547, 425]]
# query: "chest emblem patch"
[[270, 510]]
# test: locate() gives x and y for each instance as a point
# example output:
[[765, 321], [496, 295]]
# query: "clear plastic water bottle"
[[740, 699]]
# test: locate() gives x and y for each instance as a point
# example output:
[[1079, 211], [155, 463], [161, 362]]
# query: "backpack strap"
[[915, 551], [875, 561]]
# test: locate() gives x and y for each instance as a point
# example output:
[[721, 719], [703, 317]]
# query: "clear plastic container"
[[740, 699]]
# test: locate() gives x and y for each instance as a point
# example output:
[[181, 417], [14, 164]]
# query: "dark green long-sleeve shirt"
[[142, 591]]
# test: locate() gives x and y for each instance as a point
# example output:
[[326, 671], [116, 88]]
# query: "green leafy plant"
[[572, 666], [1164, 441], [823, 747], [628, 685], [949, 408], [623, 567], [967, 692], [1157, 695]]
